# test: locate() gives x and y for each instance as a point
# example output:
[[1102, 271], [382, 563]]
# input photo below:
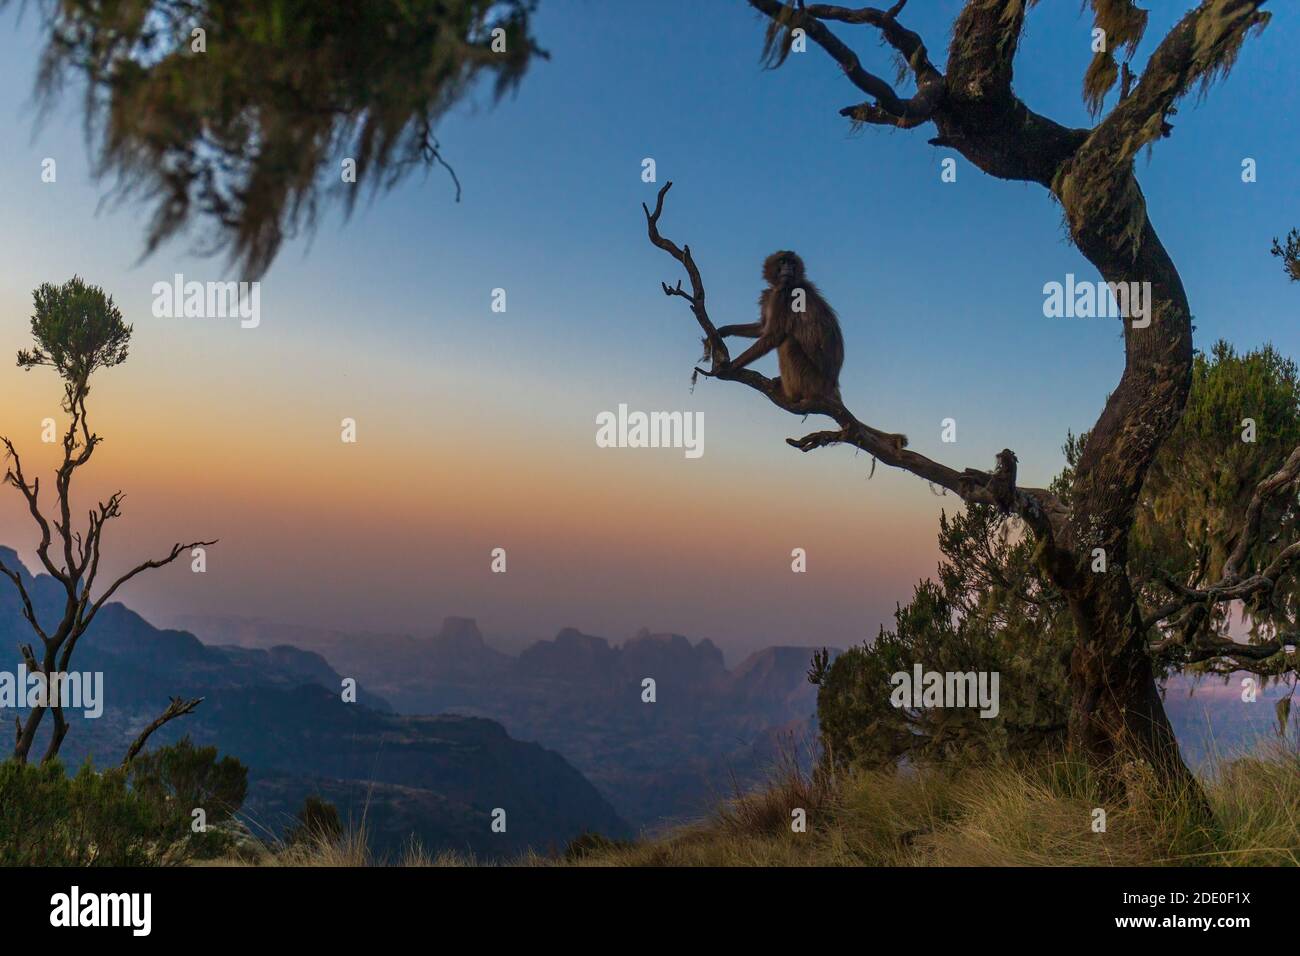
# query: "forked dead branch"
[[1034, 505]]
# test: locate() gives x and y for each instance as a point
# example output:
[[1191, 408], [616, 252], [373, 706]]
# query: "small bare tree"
[[77, 330]]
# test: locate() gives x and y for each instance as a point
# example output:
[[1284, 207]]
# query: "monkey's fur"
[[797, 321]]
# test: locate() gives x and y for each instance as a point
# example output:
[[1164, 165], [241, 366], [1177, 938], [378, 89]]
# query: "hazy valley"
[[708, 729]]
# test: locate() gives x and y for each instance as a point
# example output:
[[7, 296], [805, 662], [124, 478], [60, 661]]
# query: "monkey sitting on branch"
[[797, 321]]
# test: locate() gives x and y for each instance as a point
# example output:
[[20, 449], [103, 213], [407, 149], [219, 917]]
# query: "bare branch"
[[29, 659], [717, 348], [176, 551], [177, 708], [81, 620], [887, 107], [906, 42], [1224, 655], [31, 492], [29, 613], [909, 44], [77, 449], [112, 508], [1038, 507]]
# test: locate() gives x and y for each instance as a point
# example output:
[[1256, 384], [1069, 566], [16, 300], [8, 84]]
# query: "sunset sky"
[[477, 430]]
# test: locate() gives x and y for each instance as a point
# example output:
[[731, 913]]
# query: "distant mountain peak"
[[14, 563], [459, 630], [571, 636]]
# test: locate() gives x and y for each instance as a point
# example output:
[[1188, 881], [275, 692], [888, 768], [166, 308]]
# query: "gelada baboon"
[[797, 321], [800, 324]]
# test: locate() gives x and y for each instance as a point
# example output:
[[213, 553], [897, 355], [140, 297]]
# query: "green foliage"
[[77, 329], [91, 819], [48, 818], [318, 823], [1197, 490], [1289, 253], [1204, 476], [179, 779], [991, 610], [246, 133]]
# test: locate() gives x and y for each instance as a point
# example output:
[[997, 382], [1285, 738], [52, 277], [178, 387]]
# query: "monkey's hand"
[[717, 356]]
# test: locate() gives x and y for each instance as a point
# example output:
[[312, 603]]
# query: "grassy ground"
[[1029, 815]]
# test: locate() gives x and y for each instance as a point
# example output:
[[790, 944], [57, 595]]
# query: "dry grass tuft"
[[1027, 814]]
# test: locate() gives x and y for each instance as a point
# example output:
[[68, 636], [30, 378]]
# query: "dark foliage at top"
[[243, 125]]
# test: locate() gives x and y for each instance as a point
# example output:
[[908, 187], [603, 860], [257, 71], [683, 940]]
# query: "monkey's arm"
[[750, 331], [756, 351]]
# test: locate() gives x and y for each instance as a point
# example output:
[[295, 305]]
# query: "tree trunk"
[[1116, 714], [1116, 711], [1116, 708], [27, 733]]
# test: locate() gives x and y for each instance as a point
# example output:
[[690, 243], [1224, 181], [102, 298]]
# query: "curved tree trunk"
[[1116, 711], [1116, 708]]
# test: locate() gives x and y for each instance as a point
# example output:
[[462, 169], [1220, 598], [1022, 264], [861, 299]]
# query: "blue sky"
[[939, 287]]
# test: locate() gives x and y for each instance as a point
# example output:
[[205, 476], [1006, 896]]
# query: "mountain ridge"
[[708, 728], [280, 710]]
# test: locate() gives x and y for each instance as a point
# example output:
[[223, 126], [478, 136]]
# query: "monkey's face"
[[783, 268]]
